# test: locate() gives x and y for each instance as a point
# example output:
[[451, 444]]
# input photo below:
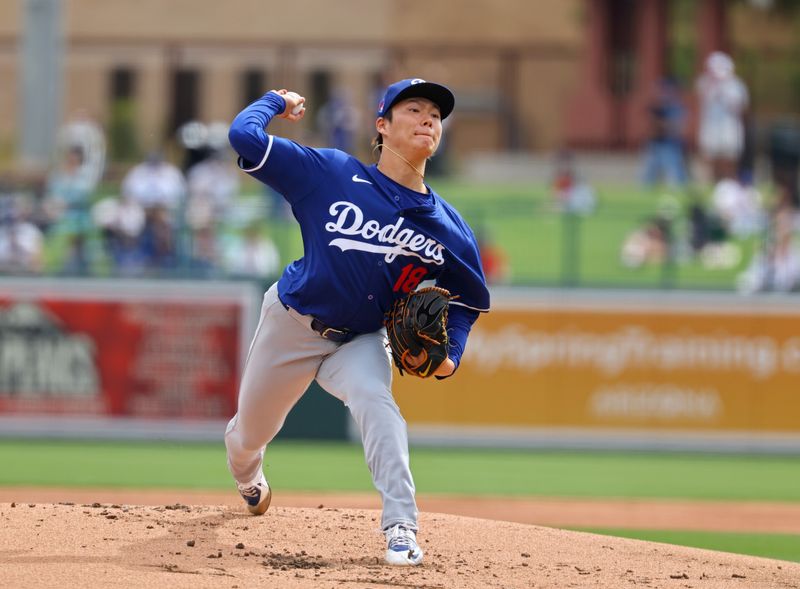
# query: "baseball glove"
[[417, 329]]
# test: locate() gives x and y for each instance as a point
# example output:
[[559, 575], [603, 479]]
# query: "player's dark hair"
[[378, 141]]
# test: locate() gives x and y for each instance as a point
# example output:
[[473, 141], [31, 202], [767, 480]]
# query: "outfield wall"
[[121, 358], [545, 368], [583, 369], [134, 359]]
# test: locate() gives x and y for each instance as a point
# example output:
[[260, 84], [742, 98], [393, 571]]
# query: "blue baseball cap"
[[417, 88]]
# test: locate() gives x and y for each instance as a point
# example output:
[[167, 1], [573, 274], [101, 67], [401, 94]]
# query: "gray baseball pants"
[[284, 357]]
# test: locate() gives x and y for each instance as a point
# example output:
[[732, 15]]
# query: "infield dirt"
[[93, 545]]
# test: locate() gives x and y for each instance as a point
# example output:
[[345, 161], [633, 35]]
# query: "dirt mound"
[[102, 545], [555, 512]]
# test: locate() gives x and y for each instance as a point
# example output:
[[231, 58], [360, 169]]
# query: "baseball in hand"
[[298, 109]]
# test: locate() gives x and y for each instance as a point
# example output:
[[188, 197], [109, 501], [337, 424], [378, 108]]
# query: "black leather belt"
[[340, 336]]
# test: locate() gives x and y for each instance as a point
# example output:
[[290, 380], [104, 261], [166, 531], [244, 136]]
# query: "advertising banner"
[[621, 362], [115, 349]]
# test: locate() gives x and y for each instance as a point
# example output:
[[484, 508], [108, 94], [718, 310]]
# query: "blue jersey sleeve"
[[459, 324], [464, 278], [285, 166]]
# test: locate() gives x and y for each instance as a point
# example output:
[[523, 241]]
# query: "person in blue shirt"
[[371, 234]]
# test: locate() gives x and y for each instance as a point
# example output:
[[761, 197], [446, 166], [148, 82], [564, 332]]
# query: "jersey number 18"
[[410, 278]]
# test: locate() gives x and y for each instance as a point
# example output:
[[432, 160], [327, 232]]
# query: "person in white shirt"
[[723, 102], [155, 183], [21, 242]]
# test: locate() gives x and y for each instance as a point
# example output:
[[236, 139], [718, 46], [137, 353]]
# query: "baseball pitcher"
[[351, 305]]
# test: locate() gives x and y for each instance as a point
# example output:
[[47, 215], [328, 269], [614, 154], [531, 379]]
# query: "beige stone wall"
[[425, 21], [85, 85], [9, 101], [241, 20], [10, 17], [766, 58], [457, 43], [10, 24], [505, 22], [547, 86], [752, 28]]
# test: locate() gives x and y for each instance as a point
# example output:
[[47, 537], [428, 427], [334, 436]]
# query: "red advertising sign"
[[136, 356]]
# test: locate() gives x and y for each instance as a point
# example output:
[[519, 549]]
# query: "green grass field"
[[780, 546], [339, 466], [331, 466]]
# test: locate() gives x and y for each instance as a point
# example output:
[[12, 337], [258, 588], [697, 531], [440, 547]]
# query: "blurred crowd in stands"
[[161, 220], [155, 218], [712, 230]]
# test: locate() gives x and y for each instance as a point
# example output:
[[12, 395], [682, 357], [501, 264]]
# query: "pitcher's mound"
[[103, 545]]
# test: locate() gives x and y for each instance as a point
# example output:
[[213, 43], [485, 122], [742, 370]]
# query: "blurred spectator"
[[777, 266], [664, 158], [702, 228], [121, 222], [201, 141], [213, 185], [493, 260], [251, 254], [70, 183], [720, 255], [723, 101], [69, 189], [570, 193], [155, 183], [21, 242], [200, 213], [218, 136], [203, 255], [193, 137], [159, 240], [83, 133], [338, 120], [709, 239], [746, 166], [738, 204], [159, 188], [648, 244]]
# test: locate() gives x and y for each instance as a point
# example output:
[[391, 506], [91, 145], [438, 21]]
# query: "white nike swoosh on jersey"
[[357, 179]]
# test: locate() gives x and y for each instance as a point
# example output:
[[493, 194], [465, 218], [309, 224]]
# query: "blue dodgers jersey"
[[367, 239]]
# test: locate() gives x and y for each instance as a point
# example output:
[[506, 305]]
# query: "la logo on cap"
[[417, 81]]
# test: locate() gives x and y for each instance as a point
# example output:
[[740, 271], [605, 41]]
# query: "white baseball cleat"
[[401, 546], [256, 496]]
